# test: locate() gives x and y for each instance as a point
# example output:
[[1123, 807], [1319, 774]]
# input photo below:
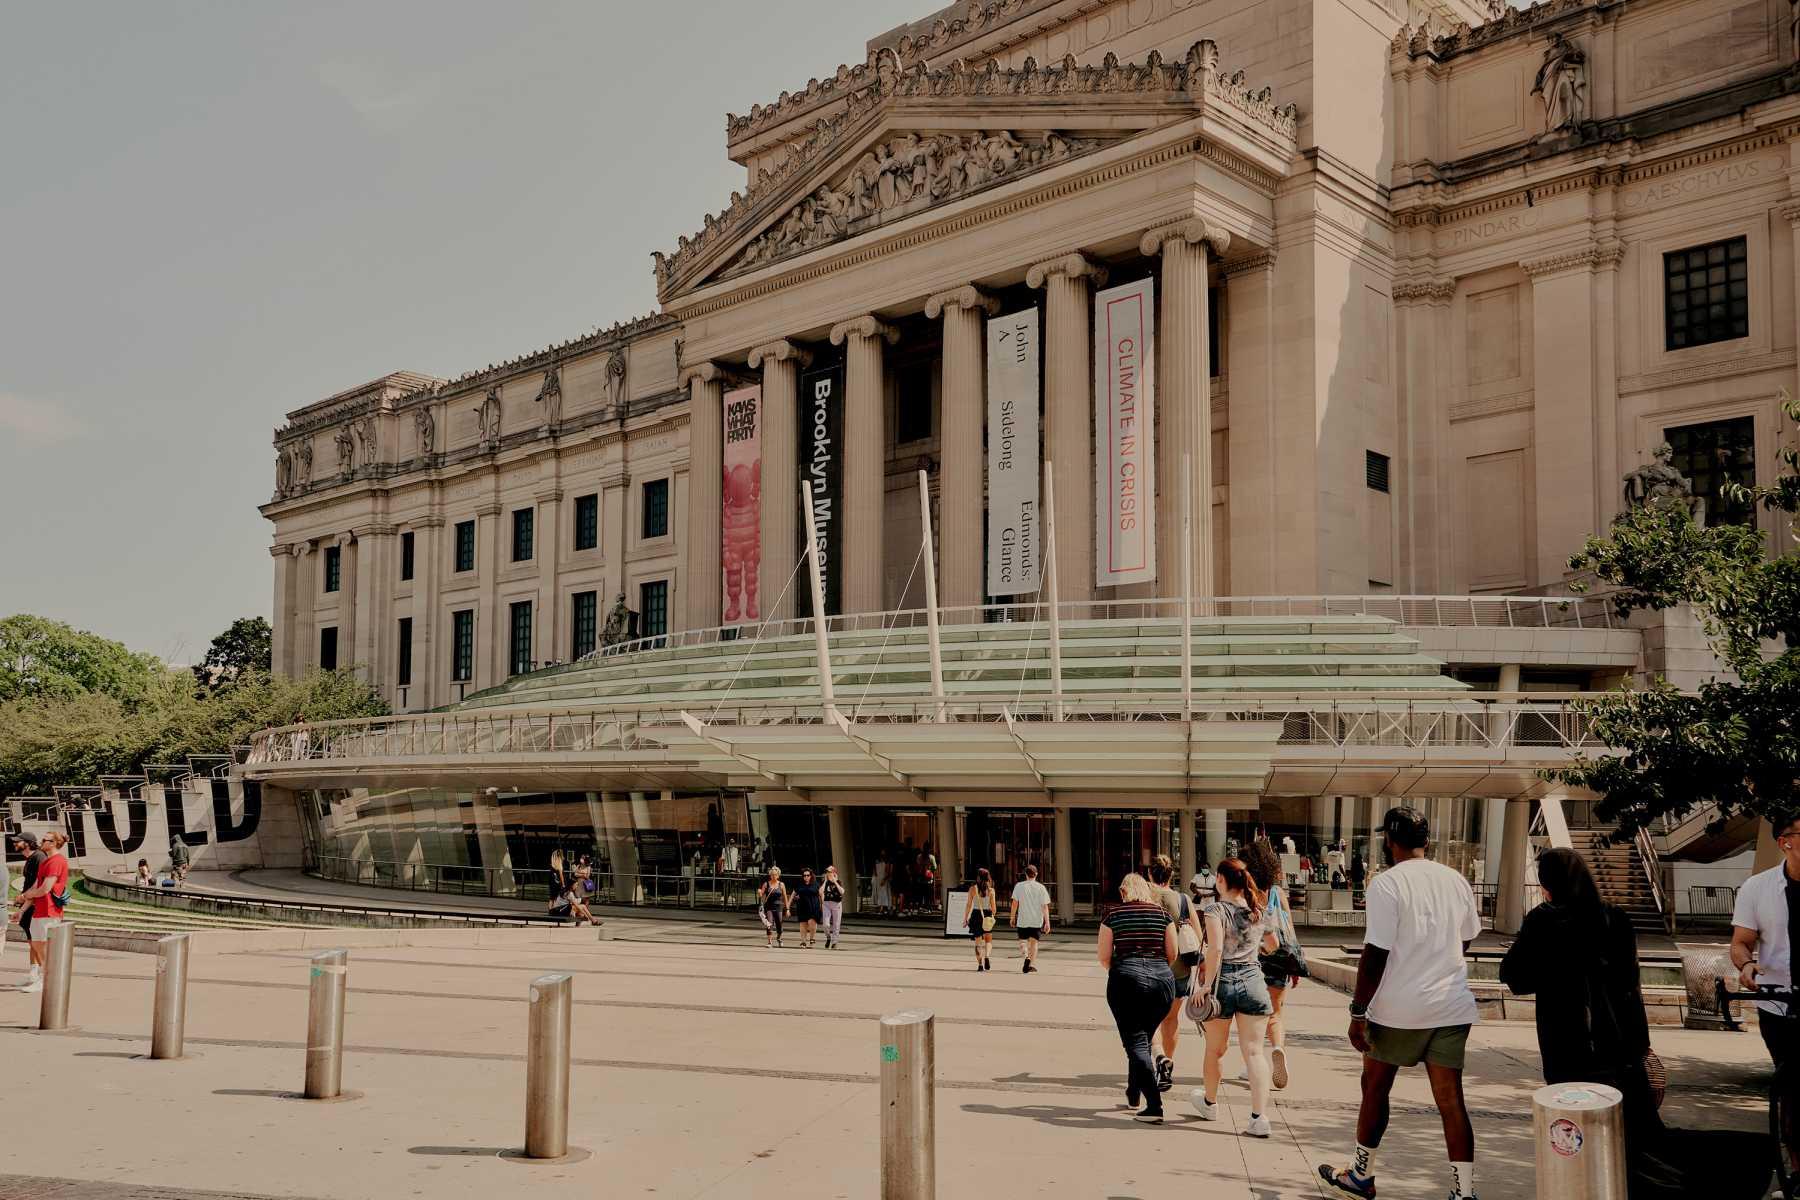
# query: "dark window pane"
[[587, 522], [519, 642], [1712, 455], [523, 521], [655, 608], [334, 568], [406, 555], [403, 675], [328, 648], [587, 613], [912, 417], [656, 508], [462, 658], [465, 545], [1707, 294], [1375, 470]]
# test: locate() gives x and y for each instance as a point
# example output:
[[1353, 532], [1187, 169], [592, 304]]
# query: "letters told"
[[1125, 439], [1012, 454]]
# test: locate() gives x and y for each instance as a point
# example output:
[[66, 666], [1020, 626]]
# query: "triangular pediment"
[[918, 139]]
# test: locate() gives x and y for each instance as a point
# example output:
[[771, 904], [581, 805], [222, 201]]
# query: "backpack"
[[1187, 939]]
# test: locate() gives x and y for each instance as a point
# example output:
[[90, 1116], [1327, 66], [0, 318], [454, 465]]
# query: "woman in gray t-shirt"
[[1234, 936]]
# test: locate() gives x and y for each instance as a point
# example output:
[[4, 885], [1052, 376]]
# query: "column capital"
[[490, 509], [706, 372], [283, 550], [866, 326], [780, 350], [1426, 288], [1075, 266], [968, 296], [1261, 260], [1597, 256], [1192, 230], [428, 521], [1790, 211], [372, 529]]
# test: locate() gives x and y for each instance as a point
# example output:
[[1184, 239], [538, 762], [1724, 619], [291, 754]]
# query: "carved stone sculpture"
[[615, 378], [550, 396], [1659, 482], [365, 440], [618, 623], [346, 450], [487, 418], [303, 466], [1562, 84], [284, 473], [426, 424]]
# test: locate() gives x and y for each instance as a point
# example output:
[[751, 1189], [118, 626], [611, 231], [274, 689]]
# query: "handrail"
[[1646, 847]]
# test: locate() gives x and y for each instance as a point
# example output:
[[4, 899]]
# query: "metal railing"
[[1486, 721], [1652, 864], [1493, 612], [1710, 903]]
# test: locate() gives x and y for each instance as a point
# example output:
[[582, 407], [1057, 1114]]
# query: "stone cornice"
[[1075, 266], [1507, 22], [867, 326], [373, 529], [968, 296], [1411, 290], [429, 521], [490, 509], [780, 351], [1192, 230], [1598, 256]]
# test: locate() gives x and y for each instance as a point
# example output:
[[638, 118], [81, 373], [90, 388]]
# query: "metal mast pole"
[[931, 598], [1056, 702]]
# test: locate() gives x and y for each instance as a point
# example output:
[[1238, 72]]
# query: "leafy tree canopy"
[[45, 659], [246, 646], [1735, 743]]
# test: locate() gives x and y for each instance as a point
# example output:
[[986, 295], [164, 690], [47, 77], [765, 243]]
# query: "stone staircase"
[[1619, 872]]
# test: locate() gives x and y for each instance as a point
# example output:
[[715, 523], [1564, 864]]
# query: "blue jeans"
[[1139, 992], [1242, 991]]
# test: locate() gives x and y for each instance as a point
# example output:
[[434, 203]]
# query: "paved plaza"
[[708, 1066]]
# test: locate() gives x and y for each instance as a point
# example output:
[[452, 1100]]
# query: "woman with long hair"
[[562, 899], [805, 904], [982, 903], [771, 903], [1235, 936], [1578, 955], [1138, 949], [1264, 866]]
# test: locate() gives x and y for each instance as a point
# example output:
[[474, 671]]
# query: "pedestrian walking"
[[1030, 915], [179, 859], [46, 898], [1235, 936], [1285, 966], [882, 889], [831, 899], [981, 917], [1578, 956], [1137, 946], [1187, 956], [1412, 1003], [771, 904], [561, 899], [806, 907], [27, 844]]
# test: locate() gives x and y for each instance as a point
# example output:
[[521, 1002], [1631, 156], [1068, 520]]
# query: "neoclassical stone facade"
[[1429, 281]]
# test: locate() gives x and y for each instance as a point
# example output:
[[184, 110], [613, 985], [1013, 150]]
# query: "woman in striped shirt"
[[1137, 946]]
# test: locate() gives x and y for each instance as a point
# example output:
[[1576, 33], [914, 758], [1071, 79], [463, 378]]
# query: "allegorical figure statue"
[[426, 424], [487, 417], [1660, 482], [618, 622], [346, 450], [550, 396], [1561, 83]]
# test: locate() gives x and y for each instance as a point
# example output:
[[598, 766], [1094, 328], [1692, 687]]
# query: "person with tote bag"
[[981, 917]]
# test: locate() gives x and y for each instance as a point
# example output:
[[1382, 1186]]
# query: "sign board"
[[740, 503], [1124, 434], [1013, 456], [956, 913], [822, 462]]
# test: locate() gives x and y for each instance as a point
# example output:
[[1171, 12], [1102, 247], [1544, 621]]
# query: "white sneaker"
[[1206, 1108], [32, 985], [36, 973], [1257, 1128]]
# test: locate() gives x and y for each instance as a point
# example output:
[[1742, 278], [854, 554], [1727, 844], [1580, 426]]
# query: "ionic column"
[[865, 471], [282, 639], [1185, 398], [306, 602], [960, 492], [1069, 412], [706, 464], [780, 363]]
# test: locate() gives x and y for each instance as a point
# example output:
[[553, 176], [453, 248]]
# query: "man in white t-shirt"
[[1763, 922], [1413, 1004], [1030, 914]]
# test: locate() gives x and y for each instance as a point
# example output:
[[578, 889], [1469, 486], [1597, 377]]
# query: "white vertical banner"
[[1124, 434], [1013, 561]]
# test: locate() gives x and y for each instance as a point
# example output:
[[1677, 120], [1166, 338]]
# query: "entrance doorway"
[[1119, 844], [1006, 842]]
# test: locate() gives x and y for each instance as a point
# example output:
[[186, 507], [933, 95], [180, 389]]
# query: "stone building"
[[1412, 288]]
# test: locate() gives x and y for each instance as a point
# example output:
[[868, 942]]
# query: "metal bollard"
[[908, 1106], [547, 1068], [59, 968], [325, 1026], [168, 1020], [1579, 1131]]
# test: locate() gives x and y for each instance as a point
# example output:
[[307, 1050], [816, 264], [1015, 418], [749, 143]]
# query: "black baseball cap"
[[30, 839]]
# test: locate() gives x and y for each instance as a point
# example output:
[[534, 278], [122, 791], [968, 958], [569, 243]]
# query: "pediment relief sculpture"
[[901, 176]]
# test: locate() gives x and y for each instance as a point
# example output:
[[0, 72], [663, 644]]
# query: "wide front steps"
[[1254, 654]]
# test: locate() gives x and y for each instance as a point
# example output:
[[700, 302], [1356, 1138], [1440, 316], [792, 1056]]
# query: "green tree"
[[246, 646], [41, 658], [1735, 742]]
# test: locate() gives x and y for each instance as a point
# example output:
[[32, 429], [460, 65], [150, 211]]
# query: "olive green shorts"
[[1442, 1047]]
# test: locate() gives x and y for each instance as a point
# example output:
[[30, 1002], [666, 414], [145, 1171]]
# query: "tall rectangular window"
[[587, 623], [1706, 294], [465, 545], [656, 508], [462, 646], [524, 521], [519, 641], [1713, 454], [587, 522], [334, 568], [1375, 470], [1212, 331], [328, 648], [406, 555], [403, 669], [912, 417], [654, 605]]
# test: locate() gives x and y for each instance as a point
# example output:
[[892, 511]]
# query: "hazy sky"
[[211, 214]]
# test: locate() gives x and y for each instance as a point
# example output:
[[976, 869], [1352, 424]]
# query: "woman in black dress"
[[807, 908], [1578, 956]]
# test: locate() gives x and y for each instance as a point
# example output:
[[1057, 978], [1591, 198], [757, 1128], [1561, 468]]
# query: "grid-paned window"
[[656, 508], [406, 555], [1713, 454], [403, 669], [1706, 294], [328, 648], [1375, 470], [462, 646], [465, 545], [524, 526], [587, 521], [518, 652], [587, 623], [654, 605], [334, 568]]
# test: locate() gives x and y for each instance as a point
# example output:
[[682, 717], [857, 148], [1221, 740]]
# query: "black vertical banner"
[[822, 462]]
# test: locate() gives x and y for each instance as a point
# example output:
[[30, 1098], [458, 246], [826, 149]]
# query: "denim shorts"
[[1242, 991]]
